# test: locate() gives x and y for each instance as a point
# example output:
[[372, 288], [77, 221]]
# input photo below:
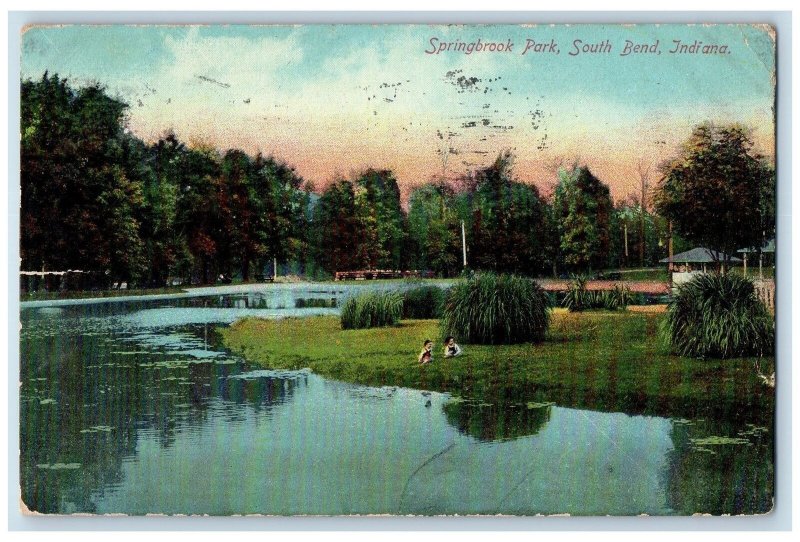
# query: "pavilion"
[[695, 261], [768, 248]]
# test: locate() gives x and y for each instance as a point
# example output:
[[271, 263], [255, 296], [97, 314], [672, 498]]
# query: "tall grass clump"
[[496, 309], [423, 302], [719, 316], [372, 309], [578, 298]]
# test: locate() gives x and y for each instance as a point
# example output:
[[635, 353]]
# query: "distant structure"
[[768, 248], [687, 265]]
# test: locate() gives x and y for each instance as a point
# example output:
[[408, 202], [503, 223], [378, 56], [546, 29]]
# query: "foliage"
[[96, 198], [578, 298], [423, 302], [582, 210], [81, 180], [508, 222], [719, 316], [315, 302], [717, 192], [360, 224], [434, 230], [372, 309], [496, 309]]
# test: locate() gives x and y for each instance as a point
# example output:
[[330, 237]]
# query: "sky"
[[332, 100]]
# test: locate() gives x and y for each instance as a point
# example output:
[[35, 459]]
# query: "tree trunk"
[[245, 267]]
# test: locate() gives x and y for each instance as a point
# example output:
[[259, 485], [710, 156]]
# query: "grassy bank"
[[93, 294], [598, 360]]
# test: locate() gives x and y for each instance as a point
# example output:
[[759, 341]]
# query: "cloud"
[[246, 65]]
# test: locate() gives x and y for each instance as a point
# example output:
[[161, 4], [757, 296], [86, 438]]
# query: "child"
[[451, 349], [426, 356]]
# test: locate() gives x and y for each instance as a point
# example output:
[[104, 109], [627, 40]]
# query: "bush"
[[578, 298], [315, 302], [496, 309], [719, 316], [423, 302], [374, 309]]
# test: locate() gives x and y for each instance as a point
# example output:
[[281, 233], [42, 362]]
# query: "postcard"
[[398, 269]]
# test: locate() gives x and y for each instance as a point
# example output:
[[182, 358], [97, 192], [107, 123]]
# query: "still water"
[[133, 407]]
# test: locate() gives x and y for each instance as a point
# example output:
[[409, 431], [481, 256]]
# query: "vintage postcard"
[[405, 269]]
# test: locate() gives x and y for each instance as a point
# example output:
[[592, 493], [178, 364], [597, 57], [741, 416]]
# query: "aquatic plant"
[[423, 302], [719, 316], [496, 309], [373, 309]]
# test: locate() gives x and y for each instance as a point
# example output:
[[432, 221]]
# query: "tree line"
[[99, 199]]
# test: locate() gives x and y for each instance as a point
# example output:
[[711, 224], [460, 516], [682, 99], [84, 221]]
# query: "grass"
[[423, 302], [578, 298], [719, 316], [496, 309], [372, 309], [610, 361]]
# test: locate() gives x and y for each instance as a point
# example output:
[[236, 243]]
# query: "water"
[[132, 407]]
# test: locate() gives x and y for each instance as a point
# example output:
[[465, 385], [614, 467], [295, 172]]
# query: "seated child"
[[451, 349], [426, 356]]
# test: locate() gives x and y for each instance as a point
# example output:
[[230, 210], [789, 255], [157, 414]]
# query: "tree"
[[434, 230], [717, 192], [381, 220], [336, 229], [81, 181], [582, 208], [508, 221]]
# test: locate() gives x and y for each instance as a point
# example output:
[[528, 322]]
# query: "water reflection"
[[133, 408], [488, 421]]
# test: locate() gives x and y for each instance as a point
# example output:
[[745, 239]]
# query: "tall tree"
[[434, 230], [508, 221], [717, 192], [336, 228], [582, 208], [381, 219], [81, 184]]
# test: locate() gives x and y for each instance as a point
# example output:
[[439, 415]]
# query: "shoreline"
[[598, 360]]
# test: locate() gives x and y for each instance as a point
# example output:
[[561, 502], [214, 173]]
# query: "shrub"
[[315, 302], [374, 309], [496, 309], [423, 302], [578, 298], [719, 316]]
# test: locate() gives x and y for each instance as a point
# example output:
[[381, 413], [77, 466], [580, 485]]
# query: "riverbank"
[[610, 361]]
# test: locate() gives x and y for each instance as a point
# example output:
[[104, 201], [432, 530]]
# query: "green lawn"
[[598, 360]]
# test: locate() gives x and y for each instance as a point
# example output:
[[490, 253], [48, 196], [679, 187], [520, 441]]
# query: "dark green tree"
[[434, 230], [717, 192], [81, 181], [508, 222], [582, 209]]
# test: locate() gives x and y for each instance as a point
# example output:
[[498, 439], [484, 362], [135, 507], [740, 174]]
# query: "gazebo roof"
[[769, 246], [700, 255]]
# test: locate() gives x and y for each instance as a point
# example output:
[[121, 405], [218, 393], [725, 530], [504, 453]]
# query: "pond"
[[133, 407]]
